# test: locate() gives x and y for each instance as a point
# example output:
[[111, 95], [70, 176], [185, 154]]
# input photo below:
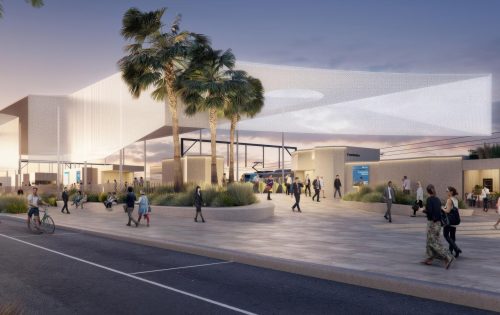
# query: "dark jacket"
[[316, 184], [433, 209], [337, 183], [130, 200], [198, 200], [65, 196], [296, 187]]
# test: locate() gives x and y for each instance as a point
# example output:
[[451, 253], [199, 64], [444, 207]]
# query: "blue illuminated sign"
[[360, 175]]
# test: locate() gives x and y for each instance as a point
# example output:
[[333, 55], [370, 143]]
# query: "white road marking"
[[44, 234], [185, 267], [239, 310]]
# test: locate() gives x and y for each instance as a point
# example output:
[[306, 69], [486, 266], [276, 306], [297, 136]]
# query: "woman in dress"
[[434, 248]]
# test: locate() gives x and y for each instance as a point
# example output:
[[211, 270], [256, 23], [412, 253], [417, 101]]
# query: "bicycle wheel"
[[48, 225]]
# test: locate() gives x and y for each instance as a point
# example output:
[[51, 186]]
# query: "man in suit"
[[65, 198], [296, 188], [317, 188], [389, 197], [337, 184]]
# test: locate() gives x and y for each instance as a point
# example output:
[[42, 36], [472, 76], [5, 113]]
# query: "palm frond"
[[35, 3], [138, 25]]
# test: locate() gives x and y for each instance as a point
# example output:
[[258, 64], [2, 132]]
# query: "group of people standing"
[[144, 209]]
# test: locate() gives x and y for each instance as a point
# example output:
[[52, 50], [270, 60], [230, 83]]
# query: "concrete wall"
[[196, 169], [439, 171]]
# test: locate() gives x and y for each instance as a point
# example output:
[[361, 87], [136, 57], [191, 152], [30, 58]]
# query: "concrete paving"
[[327, 233]]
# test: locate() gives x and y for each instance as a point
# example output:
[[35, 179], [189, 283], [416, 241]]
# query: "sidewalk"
[[342, 244]]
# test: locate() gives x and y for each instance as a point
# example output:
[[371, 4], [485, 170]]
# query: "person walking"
[[308, 186], [449, 231], [484, 197], [419, 202], [198, 202], [337, 184], [406, 185], [144, 208], [317, 188], [498, 212], [269, 186], [130, 203], [288, 182], [322, 184], [297, 187], [434, 248], [65, 198], [389, 198]]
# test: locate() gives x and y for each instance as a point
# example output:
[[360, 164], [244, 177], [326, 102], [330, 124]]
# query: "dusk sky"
[[67, 45]]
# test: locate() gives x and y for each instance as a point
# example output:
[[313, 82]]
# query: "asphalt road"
[[78, 273]]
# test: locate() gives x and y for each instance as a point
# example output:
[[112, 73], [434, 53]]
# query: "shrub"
[[162, 200], [224, 199], [183, 199], [350, 196], [103, 196], [363, 190], [380, 188], [372, 197], [93, 198], [242, 194], [50, 199], [404, 199], [462, 204], [13, 204]]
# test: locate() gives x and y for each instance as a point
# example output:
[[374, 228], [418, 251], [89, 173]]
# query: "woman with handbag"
[[434, 248], [449, 231], [143, 207]]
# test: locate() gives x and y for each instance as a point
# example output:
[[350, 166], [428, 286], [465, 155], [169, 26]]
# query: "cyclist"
[[33, 201]]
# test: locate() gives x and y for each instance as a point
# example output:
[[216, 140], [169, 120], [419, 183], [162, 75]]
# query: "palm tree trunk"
[[234, 121], [213, 144], [172, 106]]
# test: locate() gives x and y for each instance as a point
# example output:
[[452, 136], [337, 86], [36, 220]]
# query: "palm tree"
[[247, 99], [34, 3], [204, 87], [157, 58]]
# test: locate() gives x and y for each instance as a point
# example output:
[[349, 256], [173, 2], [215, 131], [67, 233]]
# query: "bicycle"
[[46, 223]]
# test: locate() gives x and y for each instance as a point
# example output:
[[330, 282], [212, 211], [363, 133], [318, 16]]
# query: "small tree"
[[33, 3]]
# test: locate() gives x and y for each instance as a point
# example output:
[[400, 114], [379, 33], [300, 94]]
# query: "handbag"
[[454, 216], [445, 221], [415, 206]]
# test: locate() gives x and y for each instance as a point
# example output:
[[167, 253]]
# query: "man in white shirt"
[[484, 196], [33, 201], [389, 197], [406, 185]]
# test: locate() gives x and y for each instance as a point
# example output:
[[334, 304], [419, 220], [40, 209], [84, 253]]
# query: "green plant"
[[242, 194], [103, 196], [372, 197], [350, 196], [93, 197], [50, 199], [224, 199], [363, 190], [13, 204], [461, 204]]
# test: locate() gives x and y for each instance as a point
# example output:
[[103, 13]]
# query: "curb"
[[469, 297]]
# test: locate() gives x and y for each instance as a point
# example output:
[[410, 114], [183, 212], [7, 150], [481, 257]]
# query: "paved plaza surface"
[[77, 273], [328, 233]]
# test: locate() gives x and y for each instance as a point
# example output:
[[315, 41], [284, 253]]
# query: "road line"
[[44, 234], [239, 310], [185, 267]]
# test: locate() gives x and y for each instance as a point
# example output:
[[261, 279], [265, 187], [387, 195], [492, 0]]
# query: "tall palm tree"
[[157, 58], [33, 3], [204, 87], [247, 99]]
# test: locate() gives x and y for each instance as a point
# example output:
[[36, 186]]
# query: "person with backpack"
[[198, 202], [144, 208], [449, 230]]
